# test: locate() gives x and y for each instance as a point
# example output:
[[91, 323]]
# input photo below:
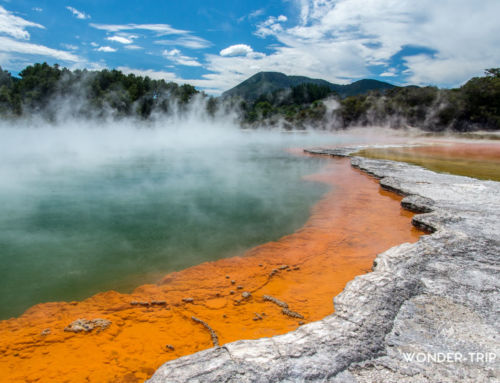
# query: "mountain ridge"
[[268, 82]]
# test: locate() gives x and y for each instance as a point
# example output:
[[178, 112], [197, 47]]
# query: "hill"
[[268, 82]]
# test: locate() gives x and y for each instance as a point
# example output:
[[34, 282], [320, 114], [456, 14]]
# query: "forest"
[[473, 106], [44, 91]]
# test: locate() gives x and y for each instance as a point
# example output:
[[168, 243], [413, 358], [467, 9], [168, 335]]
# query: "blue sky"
[[216, 44]]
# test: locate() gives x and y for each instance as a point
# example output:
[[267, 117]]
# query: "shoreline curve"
[[438, 296], [133, 334]]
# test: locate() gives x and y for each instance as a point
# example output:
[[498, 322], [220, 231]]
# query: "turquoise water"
[[82, 212]]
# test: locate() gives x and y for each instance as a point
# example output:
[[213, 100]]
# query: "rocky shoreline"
[[428, 312]]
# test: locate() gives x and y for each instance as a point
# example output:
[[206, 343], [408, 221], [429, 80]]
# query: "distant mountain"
[[266, 82], [363, 86]]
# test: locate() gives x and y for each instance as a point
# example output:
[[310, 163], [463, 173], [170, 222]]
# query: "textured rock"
[[427, 313], [85, 325], [215, 338]]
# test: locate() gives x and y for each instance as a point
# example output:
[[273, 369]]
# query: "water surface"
[[478, 160], [88, 210]]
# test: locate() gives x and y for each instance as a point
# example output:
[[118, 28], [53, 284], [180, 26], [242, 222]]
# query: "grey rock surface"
[[428, 312]]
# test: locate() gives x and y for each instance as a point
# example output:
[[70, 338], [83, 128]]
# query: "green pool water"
[[85, 212]]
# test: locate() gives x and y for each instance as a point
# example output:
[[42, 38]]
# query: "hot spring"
[[86, 209]]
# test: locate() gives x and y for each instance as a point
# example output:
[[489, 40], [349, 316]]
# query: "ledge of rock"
[[428, 312]]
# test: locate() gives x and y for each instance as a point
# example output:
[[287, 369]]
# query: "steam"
[[102, 206], [102, 203], [72, 101]]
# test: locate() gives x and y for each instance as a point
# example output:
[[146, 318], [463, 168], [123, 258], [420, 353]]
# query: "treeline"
[[297, 105], [475, 105], [50, 91], [47, 91]]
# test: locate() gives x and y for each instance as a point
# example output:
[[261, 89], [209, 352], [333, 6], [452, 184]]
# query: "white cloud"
[[177, 57], [343, 40], [271, 26], [236, 50], [71, 47], [78, 14], [169, 76], [94, 44], [89, 65], [121, 39], [20, 47], [13, 45], [153, 74], [391, 72], [387, 74], [424, 70], [106, 49], [15, 26], [133, 47], [192, 42], [256, 13], [160, 29], [371, 32], [252, 15], [37, 9]]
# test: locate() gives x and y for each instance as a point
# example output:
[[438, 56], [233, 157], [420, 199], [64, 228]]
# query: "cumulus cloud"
[[271, 26], [160, 29], [106, 49], [122, 39], [177, 57], [344, 40], [236, 50], [373, 32], [15, 26], [78, 14]]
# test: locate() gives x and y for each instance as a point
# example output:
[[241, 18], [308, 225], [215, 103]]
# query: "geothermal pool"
[[86, 210], [91, 211]]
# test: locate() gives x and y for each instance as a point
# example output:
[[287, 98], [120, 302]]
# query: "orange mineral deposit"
[[348, 227]]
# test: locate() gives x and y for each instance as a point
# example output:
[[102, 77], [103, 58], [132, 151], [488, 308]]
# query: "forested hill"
[[475, 105], [45, 90], [268, 82]]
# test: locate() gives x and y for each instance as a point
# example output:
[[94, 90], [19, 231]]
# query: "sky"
[[215, 44]]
